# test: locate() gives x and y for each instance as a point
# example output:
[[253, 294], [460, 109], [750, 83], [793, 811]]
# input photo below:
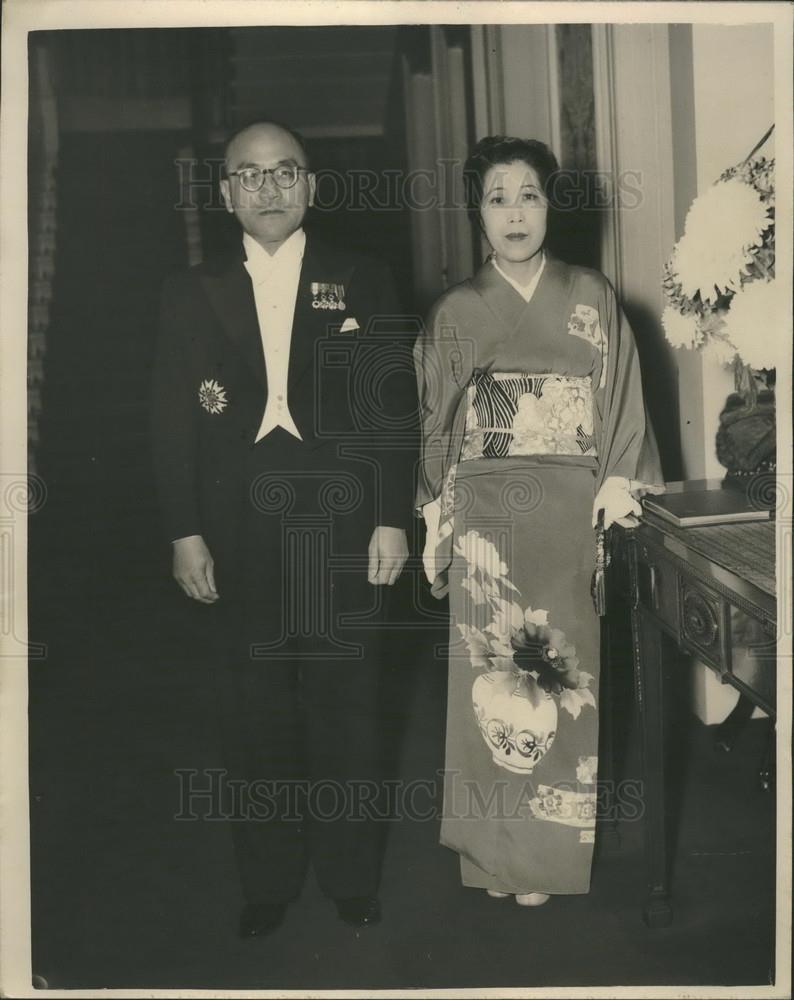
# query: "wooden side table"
[[711, 590]]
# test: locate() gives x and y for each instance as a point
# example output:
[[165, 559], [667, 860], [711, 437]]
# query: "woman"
[[533, 422]]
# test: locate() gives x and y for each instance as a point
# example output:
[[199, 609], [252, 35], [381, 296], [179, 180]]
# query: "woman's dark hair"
[[503, 149]]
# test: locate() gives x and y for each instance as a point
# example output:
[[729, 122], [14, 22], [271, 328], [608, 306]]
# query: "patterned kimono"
[[528, 409]]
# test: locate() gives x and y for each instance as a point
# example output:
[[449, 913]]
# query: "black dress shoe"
[[259, 919], [359, 911]]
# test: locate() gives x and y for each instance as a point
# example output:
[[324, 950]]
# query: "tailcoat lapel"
[[308, 324], [231, 294]]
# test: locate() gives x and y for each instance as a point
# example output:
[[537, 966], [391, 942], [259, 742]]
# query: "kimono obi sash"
[[515, 413]]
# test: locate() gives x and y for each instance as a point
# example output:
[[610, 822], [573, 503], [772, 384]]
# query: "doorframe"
[[631, 69]]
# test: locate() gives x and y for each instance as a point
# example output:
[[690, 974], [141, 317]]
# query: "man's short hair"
[[266, 121]]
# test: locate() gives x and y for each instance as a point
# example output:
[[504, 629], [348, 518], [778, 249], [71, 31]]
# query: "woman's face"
[[513, 211]]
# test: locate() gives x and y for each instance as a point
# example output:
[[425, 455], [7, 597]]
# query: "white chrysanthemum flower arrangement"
[[723, 229], [720, 279]]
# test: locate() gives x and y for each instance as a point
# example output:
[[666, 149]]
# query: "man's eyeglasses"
[[252, 178]]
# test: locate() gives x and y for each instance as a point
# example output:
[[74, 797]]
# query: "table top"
[[746, 549]]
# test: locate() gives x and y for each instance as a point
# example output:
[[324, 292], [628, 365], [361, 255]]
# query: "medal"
[[327, 295]]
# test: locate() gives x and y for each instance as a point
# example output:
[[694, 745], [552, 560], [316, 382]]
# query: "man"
[[286, 494]]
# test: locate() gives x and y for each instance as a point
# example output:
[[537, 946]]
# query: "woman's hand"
[[431, 512], [615, 499]]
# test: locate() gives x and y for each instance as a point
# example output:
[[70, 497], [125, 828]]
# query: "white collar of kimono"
[[525, 291]]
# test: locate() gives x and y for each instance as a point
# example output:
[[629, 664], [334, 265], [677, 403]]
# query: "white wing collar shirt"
[[275, 280]]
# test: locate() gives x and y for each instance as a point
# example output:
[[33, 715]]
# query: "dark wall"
[[117, 238]]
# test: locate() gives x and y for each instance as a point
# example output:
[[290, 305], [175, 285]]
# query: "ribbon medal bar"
[[326, 295]]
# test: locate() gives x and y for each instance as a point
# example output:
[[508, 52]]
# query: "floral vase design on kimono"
[[530, 410]]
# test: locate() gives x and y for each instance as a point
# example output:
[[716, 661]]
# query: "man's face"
[[271, 214]]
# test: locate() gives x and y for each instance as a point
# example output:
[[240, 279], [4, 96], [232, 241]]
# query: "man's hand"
[[194, 569], [388, 550]]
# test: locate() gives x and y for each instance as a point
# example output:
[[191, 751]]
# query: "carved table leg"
[[649, 664]]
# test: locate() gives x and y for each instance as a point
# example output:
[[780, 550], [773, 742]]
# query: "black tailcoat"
[[299, 705], [340, 394]]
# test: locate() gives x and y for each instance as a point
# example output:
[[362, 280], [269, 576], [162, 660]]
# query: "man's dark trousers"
[[298, 685]]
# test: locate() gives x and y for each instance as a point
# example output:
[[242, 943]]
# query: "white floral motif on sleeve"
[[584, 323]]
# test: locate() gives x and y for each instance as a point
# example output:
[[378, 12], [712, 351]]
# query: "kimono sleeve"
[[626, 443], [442, 374]]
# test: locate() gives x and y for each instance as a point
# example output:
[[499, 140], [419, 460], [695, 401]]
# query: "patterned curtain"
[[579, 226], [42, 166]]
